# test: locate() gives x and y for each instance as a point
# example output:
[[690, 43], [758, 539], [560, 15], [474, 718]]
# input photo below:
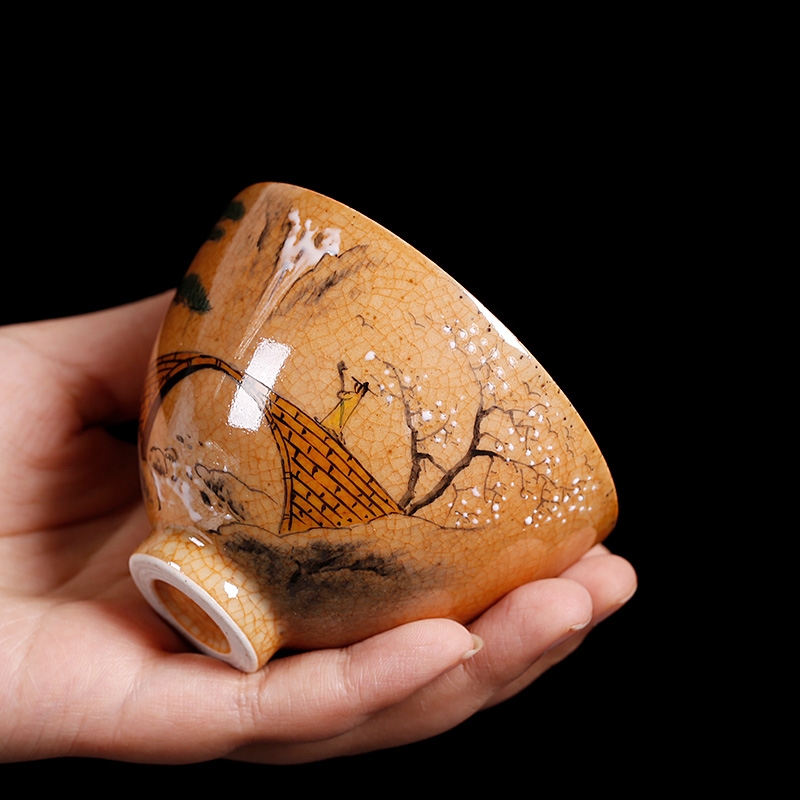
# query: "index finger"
[[98, 359]]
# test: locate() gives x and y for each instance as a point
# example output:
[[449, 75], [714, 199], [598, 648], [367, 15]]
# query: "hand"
[[88, 669]]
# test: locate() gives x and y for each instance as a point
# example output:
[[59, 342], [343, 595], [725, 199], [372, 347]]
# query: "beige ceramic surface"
[[337, 438]]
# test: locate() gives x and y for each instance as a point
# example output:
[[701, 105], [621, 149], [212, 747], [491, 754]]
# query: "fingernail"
[[578, 626], [477, 643]]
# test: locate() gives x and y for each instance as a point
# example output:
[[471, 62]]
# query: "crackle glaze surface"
[[337, 438]]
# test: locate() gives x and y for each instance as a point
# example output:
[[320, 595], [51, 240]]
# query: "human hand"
[[88, 669]]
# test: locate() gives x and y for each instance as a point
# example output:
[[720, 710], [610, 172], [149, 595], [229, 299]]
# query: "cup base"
[[193, 611]]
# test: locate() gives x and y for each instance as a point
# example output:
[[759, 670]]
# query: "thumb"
[[189, 707]]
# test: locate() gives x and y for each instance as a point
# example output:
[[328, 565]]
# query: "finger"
[[99, 359], [62, 379], [516, 631], [526, 633], [597, 550], [189, 707], [611, 582]]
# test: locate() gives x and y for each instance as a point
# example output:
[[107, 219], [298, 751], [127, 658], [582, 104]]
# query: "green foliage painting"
[[192, 294]]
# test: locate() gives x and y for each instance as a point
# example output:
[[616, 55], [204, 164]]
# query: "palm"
[[84, 594], [87, 667]]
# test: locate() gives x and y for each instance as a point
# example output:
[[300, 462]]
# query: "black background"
[[560, 228]]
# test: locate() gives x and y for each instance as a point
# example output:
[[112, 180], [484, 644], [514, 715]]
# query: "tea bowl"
[[337, 438]]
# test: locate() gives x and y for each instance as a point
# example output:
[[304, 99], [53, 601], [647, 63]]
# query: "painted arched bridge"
[[325, 485]]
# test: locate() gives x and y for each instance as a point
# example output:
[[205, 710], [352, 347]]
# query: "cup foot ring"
[[193, 611]]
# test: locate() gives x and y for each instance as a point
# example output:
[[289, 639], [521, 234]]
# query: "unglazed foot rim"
[[148, 571]]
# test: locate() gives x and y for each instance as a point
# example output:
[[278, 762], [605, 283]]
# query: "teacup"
[[337, 438]]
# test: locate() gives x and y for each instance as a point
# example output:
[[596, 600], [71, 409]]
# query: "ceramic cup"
[[337, 438]]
